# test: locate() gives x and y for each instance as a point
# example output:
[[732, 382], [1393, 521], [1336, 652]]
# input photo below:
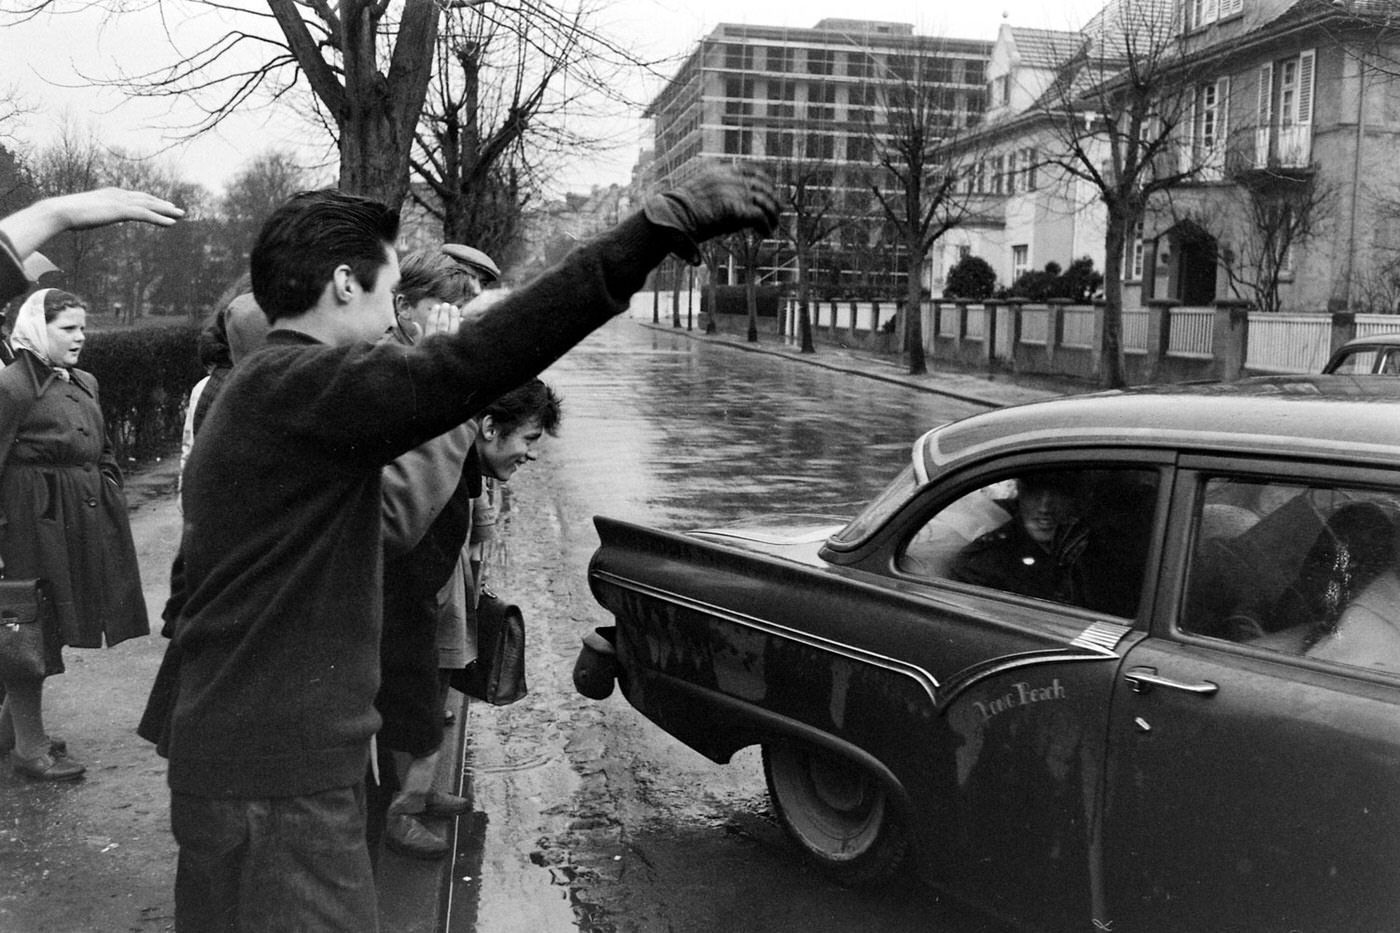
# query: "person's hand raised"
[[445, 318], [722, 199], [87, 209]]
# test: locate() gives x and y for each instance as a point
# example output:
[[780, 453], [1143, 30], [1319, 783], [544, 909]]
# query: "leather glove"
[[723, 199]]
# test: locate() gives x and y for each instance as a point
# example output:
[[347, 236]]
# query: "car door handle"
[[1143, 679]]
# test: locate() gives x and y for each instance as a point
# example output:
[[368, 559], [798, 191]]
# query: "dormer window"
[[1201, 13], [999, 91]]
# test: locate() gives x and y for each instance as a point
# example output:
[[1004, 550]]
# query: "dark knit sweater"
[[278, 639]]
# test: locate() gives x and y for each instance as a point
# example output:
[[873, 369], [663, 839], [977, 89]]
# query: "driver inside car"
[[1036, 552]]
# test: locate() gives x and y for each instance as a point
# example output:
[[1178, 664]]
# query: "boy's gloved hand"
[[723, 199]]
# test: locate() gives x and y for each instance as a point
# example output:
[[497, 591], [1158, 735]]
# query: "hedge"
[[145, 376], [734, 299]]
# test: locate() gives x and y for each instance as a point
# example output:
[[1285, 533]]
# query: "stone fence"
[[1164, 342]]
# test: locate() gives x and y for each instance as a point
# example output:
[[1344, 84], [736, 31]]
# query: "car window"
[[1355, 363], [1079, 537], [1390, 363], [1306, 570]]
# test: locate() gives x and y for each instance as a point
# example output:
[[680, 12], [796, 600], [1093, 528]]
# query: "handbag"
[[497, 676], [25, 611]]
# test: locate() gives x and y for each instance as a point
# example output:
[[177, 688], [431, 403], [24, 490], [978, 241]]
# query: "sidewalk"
[[994, 390]]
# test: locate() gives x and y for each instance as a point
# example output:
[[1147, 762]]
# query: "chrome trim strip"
[[925, 680], [1102, 636], [1099, 639], [920, 456], [1053, 656]]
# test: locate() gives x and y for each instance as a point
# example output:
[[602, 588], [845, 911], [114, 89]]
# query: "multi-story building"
[[1282, 119], [789, 98]]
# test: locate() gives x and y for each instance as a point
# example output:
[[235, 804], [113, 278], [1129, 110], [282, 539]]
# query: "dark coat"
[[62, 512], [1008, 559]]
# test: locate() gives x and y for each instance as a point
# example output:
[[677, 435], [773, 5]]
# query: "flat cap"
[[474, 259]]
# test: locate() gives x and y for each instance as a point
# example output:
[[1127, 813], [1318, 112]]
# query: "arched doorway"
[[1193, 274]]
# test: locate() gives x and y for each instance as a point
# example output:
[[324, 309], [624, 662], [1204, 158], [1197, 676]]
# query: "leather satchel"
[[25, 611], [497, 676]]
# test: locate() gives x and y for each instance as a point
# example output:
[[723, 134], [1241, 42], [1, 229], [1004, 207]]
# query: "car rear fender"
[[691, 713]]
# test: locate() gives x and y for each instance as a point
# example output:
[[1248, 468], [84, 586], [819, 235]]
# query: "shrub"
[[1081, 281], [972, 278], [144, 376], [1078, 283]]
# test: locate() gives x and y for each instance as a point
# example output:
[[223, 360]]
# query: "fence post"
[[1229, 339], [854, 315], [1343, 329], [989, 333], [1056, 331], [1159, 335]]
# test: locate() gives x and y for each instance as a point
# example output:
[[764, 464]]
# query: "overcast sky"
[[45, 59]]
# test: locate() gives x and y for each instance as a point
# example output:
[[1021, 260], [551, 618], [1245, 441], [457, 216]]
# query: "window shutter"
[[1212, 10], [1222, 106], [1265, 112], [1305, 87], [1231, 7], [1187, 129]]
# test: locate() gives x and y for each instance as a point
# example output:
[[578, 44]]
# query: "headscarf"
[[31, 331]]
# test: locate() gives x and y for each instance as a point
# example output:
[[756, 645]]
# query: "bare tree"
[[815, 211], [73, 161], [367, 63], [748, 250], [1117, 116], [920, 164], [1274, 214], [494, 125], [136, 258], [250, 197]]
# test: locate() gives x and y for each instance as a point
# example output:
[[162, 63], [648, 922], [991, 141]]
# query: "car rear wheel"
[[836, 811]]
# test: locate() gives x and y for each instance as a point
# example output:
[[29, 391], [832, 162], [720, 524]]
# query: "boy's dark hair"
[[304, 241], [535, 399]]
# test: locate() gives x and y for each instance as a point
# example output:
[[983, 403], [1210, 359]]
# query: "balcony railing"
[[1285, 147]]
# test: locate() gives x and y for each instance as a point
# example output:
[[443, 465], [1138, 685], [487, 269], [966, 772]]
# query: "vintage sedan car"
[[1126, 661], [1378, 353]]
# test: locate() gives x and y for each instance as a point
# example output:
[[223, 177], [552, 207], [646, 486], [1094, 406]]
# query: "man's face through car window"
[[1042, 512]]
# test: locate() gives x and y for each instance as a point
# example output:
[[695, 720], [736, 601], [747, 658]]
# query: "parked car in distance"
[[1124, 661], [1377, 354]]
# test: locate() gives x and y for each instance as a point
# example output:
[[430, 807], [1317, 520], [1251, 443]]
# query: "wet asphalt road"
[[590, 818]]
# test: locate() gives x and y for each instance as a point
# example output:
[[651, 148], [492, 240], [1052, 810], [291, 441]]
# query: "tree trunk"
[[913, 315], [675, 293], [376, 114], [1111, 368], [804, 295], [751, 293]]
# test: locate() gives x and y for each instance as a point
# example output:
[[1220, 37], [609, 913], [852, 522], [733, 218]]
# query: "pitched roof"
[[1044, 48]]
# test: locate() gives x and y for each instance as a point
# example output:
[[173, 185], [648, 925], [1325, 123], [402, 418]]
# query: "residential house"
[[1276, 182]]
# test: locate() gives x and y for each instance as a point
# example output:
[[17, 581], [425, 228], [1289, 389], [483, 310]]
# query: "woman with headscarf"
[[63, 516]]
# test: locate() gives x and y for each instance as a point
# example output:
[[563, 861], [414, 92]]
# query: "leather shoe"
[[406, 836], [47, 767], [442, 804]]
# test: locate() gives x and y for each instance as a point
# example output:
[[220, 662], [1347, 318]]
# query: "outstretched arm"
[[29, 227], [24, 231]]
